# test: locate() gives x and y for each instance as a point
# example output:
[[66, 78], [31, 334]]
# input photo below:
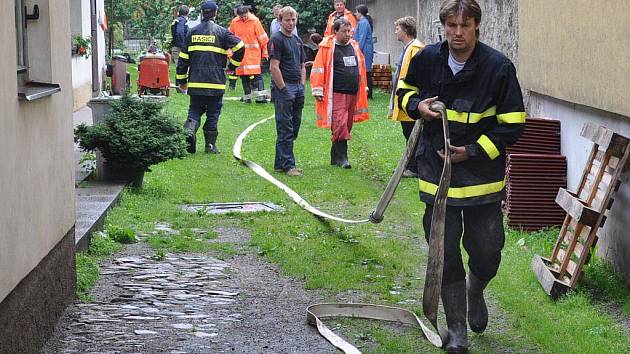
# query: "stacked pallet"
[[535, 172], [382, 76], [587, 210]]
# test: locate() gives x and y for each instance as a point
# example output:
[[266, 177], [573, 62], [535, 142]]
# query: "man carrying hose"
[[485, 115]]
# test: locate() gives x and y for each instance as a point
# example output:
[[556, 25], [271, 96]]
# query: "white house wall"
[[81, 66], [36, 151]]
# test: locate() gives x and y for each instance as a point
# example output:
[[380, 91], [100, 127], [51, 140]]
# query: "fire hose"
[[435, 264]]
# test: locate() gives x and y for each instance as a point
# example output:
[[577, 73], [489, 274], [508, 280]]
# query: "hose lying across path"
[[435, 264], [236, 151]]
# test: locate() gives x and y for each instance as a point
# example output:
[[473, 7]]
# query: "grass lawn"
[[382, 263]]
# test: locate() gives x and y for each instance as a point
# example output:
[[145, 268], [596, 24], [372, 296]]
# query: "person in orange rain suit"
[[248, 28], [339, 84], [340, 11]]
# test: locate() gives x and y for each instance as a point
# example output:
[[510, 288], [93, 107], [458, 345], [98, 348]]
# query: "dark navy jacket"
[[485, 113], [179, 31], [204, 56]]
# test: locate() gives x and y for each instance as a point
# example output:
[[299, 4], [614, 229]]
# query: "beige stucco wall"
[[577, 51], [36, 151], [499, 23]]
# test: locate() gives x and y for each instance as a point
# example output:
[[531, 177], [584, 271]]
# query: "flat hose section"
[[435, 264]]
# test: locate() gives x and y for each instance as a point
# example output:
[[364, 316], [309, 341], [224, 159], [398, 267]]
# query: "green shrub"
[[120, 235], [136, 135]]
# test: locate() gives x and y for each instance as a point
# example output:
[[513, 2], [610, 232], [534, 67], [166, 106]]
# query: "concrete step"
[[93, 200]]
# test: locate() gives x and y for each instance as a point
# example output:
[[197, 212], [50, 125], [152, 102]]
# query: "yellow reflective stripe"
[[206, 48], [234, 62], [238, 46], [184, 55], [181, 76], [466, 117], [206, 85], [488, 146], [512, 117], [232, 77], [405, 100], [464, 192], [403, 85]]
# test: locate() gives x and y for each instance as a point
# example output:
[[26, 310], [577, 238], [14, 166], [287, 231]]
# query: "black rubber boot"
[[477, 310], [211, 141], [191, 127], [454, 301], [343, 154], [333, 153]]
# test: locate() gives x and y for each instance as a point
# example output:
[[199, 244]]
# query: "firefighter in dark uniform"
[[178, 32], [485, 115], [201, 73]]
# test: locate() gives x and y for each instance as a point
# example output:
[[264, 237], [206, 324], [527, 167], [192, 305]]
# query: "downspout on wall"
[[94, 41]]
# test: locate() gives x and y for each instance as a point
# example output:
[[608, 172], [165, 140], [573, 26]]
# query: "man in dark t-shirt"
[[340, 60], [288, 75]]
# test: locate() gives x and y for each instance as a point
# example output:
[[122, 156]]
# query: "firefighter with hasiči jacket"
[[201, 73]]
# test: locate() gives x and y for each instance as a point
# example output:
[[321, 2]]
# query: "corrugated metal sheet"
[[535, 172]]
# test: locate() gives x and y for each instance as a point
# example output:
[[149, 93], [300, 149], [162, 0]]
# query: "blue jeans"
[[210, 105], [288, 104]]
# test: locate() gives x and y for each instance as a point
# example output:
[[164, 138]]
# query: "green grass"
[[87, 264], [383, 263]]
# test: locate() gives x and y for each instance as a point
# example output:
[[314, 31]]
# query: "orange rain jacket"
[[331, 19], [255, 38], [322, 83]]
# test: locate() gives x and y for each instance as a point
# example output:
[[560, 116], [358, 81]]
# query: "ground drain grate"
[[224, 208]]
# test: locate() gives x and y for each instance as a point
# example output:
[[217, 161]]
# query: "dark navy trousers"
[[481, 227], [210, 105], [288, 104]]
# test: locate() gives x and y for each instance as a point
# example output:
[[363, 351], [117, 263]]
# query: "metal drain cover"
[[237, 207]]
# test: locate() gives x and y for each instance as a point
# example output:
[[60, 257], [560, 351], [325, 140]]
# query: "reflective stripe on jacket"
[[322, 83], [255, 39], [396, 113], [331, 19], [485, 113], [203, 59]]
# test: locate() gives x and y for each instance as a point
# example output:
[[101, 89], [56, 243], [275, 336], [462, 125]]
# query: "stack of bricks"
[[382, 76]]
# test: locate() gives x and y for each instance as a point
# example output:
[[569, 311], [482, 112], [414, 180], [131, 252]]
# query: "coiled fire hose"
[[435, 264]]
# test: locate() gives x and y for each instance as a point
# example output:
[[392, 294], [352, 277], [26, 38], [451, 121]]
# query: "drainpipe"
[[418, 16], [94, 39]]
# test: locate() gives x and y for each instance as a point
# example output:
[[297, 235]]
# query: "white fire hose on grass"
[[435, 264]]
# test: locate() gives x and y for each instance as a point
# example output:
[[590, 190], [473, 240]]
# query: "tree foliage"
[[141, 18], [152, 19], [311, 13]]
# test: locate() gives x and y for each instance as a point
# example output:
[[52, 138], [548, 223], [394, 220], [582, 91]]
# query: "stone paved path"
[[190, 304]]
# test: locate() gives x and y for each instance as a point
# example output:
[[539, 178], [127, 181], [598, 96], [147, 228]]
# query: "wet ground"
[[188, 303]]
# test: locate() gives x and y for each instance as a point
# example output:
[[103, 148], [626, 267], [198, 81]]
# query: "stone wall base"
[[28, 315]]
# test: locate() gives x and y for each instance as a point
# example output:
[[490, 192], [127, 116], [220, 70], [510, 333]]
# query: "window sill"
[[35, 90]]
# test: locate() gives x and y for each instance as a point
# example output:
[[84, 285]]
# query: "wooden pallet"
[[586, 210]]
